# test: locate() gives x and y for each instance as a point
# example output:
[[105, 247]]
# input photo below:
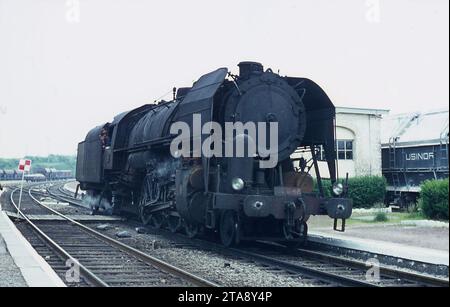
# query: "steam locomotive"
[[131, 165]]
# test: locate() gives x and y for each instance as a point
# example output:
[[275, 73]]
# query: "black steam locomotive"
[[129, 165]]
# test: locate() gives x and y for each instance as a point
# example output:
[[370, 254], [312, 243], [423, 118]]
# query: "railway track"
[[100, 260], [57, 191], [324, 269], [317, 268], [336, 271], [309, 267]]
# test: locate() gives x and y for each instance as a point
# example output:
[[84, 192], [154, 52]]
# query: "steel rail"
[[387, 274], [66, 198], [86, 273], [162, 265], [385, 271], [315, 273], [392, 273]]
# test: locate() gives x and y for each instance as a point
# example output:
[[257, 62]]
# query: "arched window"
[[344, 143]]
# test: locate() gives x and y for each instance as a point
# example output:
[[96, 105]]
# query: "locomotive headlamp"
[[237, 184], [338, 188]]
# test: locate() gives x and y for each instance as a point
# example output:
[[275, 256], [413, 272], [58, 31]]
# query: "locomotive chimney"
[[182, 91], [248, 68]]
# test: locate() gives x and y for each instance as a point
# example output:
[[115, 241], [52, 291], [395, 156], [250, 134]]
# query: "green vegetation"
[[388, 218], [416, 215], [52, 161], [326, 183], [368, 219], [366, 191], [380, 217], [433, 199]]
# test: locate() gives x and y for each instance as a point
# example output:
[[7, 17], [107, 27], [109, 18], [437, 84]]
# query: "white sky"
[[60, 78]]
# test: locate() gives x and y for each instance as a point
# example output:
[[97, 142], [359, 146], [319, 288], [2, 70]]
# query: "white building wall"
[[363, 126], [366, 143]]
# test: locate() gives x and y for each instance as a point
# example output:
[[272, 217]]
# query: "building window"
[[345, 149]]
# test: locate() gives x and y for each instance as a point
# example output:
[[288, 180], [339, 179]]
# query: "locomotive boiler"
[[133, 165]]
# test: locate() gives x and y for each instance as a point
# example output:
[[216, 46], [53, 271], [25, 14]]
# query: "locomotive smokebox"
[[246, 69], [240, 166]]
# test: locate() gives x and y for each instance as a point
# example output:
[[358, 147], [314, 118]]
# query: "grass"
[[389, 218], [361, 219], [384, 217], [416, 216]]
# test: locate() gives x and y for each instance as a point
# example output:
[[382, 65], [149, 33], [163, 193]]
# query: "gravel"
[[28, 206], [227, 270], [10, 275], [123, 234], [223, 269], [103, 227], [61, 207], [440, 271]]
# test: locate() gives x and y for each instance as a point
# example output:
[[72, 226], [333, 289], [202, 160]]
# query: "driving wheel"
[[174, 223], [156, 220], [229, 228], [191, 229]]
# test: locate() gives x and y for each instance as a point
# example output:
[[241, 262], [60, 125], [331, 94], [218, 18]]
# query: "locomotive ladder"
[[404, 124], [444, 154], [393, 164], [443, 145]]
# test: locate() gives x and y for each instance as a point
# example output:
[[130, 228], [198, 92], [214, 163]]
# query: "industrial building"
[[358, 137]]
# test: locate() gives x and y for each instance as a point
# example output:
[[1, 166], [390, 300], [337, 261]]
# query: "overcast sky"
[[67, 66]]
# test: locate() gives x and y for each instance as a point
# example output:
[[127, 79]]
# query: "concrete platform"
[[10, 275], [72, 186], [413, 253], [33, 268]]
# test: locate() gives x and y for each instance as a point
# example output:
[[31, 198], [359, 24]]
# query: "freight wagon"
[[414, 149]]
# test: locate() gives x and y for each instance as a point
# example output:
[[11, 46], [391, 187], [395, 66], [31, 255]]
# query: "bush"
[[380, 217], [365, 191], [326, 183], [434, 199]]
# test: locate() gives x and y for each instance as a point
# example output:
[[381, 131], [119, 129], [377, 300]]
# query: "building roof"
[[365, 111], [417, 128]]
